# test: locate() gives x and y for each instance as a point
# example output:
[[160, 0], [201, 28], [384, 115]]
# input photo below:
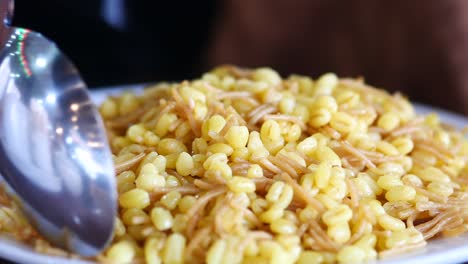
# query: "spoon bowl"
[[54, 157]]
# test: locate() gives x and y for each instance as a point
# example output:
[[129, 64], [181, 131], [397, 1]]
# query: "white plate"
[[452, 250]]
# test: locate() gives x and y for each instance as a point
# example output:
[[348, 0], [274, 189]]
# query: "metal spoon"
[[54, 156]]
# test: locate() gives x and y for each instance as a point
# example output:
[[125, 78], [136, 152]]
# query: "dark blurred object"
[[418, 47], [122, 41]]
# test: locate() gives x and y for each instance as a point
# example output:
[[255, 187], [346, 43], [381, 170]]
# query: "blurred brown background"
[[419, 47]]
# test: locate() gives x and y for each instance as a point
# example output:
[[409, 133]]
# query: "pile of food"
[[242, 166]]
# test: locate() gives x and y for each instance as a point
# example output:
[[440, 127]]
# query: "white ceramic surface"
[[452, 250]]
